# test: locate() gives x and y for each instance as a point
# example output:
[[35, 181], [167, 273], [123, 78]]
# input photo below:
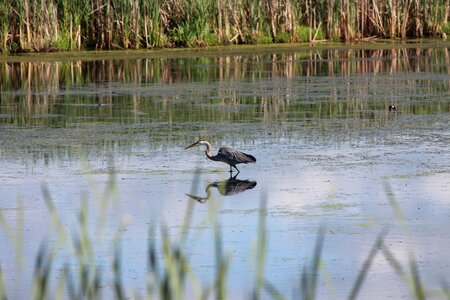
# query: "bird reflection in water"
[[231, 186]]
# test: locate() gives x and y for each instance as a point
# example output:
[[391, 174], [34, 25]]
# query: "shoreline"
[[92, 55]]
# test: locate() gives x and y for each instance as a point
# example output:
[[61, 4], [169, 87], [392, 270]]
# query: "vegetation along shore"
[[61, 25]]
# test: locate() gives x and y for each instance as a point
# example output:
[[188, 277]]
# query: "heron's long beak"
[[194, 144]]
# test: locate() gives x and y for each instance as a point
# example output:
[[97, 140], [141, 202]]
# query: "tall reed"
[[34, 25]]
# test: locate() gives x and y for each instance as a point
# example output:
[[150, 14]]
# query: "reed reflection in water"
[[267, 85], [125, 103]]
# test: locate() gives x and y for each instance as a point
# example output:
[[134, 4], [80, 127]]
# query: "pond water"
[[109, 135]]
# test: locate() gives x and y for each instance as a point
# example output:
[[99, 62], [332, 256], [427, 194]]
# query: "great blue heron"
[[227, 155]]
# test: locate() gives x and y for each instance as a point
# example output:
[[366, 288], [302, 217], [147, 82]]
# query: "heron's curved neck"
[[208, 150]]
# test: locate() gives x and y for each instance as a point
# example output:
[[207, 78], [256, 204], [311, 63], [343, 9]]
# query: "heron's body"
[[227, 155]]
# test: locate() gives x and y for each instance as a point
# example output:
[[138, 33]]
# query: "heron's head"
[[199, 142]]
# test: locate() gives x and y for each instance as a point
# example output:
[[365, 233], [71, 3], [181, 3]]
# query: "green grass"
[[446, 29], [264, 39]]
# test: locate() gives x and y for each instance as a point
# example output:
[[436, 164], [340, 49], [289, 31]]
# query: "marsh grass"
[[35, 26], [169, 271], [310, 274], [2, 285]]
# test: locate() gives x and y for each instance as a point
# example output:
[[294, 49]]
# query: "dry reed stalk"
[[219, 21], [405, 18]]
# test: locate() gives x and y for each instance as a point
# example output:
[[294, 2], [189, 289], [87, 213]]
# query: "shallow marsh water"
[[112, 133]]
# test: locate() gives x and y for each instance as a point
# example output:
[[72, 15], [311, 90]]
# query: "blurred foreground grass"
[[169, 273]]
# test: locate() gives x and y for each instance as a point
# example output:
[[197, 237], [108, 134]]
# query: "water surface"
[[329, 151]]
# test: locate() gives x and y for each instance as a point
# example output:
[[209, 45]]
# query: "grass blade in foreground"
[[367, 263], [309, 277], [222, 265], [261, 250], [2, 285]]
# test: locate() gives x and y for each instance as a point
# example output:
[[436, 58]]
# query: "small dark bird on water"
[[392, 108], [227, 155]]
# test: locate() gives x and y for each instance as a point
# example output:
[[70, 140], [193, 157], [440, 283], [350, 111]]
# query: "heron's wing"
[[235, 156], [226, 154]]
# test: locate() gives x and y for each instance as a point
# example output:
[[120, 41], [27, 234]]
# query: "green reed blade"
[[367, 263]]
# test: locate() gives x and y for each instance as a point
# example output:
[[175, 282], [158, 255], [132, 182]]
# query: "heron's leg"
[[231, 170], [237, 170]]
